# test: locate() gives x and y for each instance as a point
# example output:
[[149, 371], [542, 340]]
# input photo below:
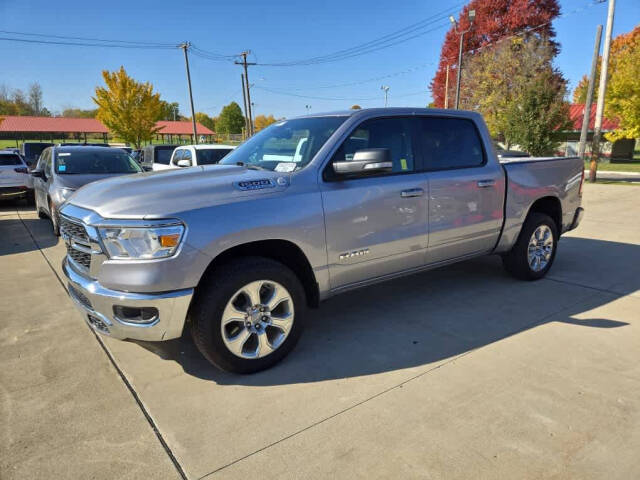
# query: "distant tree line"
[[16, 102]]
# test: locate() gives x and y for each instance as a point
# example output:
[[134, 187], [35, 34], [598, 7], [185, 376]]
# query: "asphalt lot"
[[461, 372]]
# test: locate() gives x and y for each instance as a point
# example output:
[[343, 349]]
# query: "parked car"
[[15, 181], [31, 151], [63, 170], [194, 155], [241, 249], [156, 157]]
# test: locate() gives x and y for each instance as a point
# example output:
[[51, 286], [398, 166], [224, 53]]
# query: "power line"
[[400, 36], [341, 99], [65, 37], [85, 44]]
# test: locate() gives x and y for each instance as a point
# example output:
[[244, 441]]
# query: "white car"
[[194, 155], [15, 180]]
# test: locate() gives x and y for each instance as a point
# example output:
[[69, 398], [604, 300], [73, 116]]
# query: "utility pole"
[[602, 89], [386, 94], [245, 64], [472, 17], [185, 46], [446, 89], [246, 112], [587, 104]]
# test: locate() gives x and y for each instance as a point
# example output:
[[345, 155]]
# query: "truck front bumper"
[[120, 314]]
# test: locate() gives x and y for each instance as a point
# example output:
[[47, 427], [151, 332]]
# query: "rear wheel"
[[248, 315], [534, 252]]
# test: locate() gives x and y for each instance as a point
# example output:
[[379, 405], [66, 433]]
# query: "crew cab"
[[241, 249], [202, 154]]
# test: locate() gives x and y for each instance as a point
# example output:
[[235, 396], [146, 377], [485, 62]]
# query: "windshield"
[[211, 156], [95, 161], [287, 145]]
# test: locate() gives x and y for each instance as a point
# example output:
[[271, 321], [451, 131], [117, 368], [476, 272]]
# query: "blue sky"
[[275, 31]]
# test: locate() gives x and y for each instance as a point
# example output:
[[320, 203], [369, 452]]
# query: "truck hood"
[[166, 193]]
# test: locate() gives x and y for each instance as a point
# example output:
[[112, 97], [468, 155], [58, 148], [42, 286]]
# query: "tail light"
[[21, 170], [581, 183]]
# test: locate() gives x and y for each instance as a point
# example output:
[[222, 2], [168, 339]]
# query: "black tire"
[[516, 262], [212, 296]]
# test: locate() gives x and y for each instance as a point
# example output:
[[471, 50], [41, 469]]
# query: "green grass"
[[616, 167]]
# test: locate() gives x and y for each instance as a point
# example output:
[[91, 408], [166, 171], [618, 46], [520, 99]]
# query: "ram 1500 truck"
[[307, 208]]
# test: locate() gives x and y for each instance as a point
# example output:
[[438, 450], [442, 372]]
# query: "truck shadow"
[[13, 236], [433, 316]]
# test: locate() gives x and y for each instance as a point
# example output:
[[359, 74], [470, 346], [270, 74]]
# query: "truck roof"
[[395, 111]]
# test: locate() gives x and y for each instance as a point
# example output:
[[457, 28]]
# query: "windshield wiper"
[[251, 166]]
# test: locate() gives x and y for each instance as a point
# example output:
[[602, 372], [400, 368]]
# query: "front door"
[[375, 225]]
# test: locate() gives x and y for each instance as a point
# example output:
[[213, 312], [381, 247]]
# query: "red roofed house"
[[622, 149], [57, 128]]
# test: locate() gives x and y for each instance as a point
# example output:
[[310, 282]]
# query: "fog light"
[[141, 315]]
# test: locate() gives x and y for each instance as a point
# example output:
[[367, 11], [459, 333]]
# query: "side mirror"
[[184, 163], [38, 174], [370, 160]]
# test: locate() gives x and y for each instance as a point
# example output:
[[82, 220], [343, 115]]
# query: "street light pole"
[[386, 93], [185, 46], [472, 17]]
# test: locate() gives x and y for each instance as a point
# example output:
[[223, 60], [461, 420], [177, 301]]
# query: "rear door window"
[[450, 143]]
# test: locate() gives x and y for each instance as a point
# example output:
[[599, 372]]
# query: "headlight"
[[65, 193], [141, 243]]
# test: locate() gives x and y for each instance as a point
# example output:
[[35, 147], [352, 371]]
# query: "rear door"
[[12, 171], [375, 225], [466, 191]]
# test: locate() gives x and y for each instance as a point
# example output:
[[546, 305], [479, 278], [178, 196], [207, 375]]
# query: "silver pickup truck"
[[307, 208]]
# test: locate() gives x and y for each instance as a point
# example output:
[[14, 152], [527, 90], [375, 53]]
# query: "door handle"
[[412, 192], [486, 183]]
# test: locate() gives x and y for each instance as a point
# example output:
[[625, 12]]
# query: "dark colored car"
[[62, 170], [158, 155], [31, 151]]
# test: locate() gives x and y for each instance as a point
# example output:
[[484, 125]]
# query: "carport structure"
[[50, 128], [23, 128]]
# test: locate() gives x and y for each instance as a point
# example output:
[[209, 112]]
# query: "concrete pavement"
[[455, 373]]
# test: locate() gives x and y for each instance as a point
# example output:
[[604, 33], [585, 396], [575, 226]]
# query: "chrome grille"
[[80, 297], [73, 230], [81, 258]]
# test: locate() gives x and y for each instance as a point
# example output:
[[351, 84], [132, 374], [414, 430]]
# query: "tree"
[[170, 111], [128, 108], [206, 121], [356, 107], [231, 119], [537, 115], [262, 121], [496, 78], [35, 98], [79, 113], [623, 92], [495, 19]]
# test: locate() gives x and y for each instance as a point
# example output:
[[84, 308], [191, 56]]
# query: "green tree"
[[263, 121], [231, 119], [623, 92], [497, 79], [79, 113], [537, 114], [170, 111], [206, 121], [35, 98], [128, 108]]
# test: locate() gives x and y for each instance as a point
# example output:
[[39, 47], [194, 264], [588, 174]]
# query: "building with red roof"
[[50, 128]]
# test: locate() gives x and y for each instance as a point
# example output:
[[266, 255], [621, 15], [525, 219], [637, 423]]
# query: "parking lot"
[[461, 372]]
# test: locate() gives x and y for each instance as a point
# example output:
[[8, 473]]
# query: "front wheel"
[[248, 315], [533, 254]]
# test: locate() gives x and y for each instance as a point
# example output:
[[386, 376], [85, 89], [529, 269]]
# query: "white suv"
[[194, 155]]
